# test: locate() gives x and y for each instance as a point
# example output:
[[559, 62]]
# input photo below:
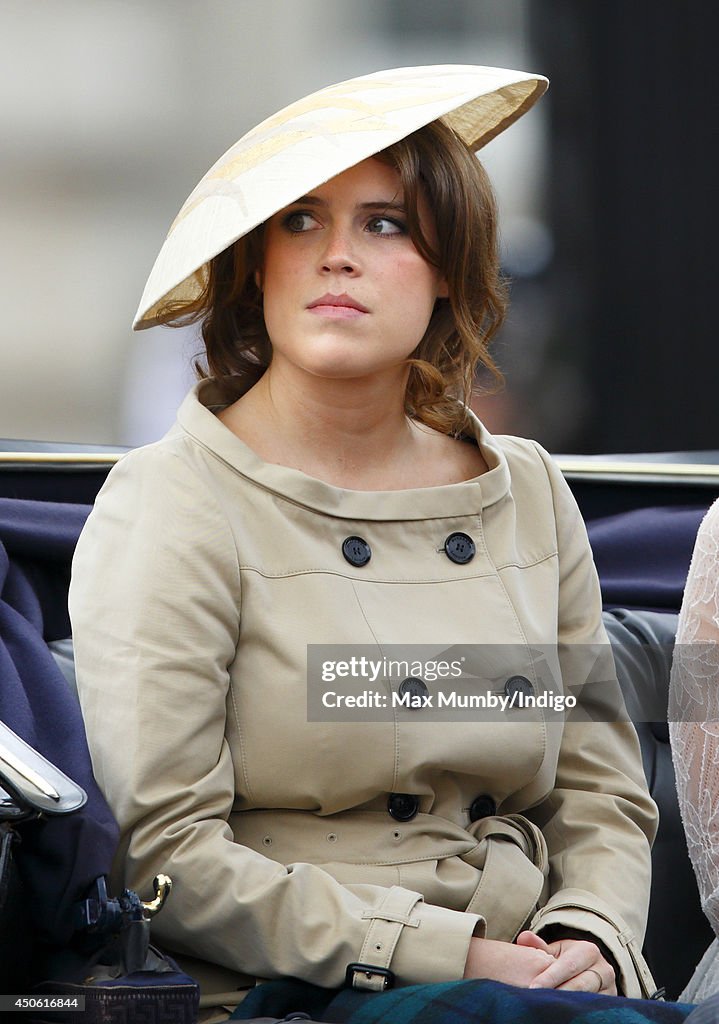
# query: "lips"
[[337, 305]]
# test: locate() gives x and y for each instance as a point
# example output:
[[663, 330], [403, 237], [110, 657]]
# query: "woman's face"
[[346, 294]]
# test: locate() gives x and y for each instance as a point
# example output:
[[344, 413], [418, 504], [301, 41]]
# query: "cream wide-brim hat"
[[311, 141]]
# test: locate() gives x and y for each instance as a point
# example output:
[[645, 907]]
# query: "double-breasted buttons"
[[459, 548], [519, 685], [356, 550], [402, 806], [414, 686], [482, 807]]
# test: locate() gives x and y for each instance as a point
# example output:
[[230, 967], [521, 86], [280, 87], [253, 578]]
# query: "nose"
[[339, 254]]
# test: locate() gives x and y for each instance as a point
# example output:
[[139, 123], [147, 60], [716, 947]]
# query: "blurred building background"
[[111, 111]]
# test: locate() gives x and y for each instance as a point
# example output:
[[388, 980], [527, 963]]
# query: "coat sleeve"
[[599, 821], [155, 605]]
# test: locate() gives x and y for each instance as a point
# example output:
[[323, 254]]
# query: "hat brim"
[[314, 139]]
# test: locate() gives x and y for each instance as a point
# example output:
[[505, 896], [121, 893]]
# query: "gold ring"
[[590, 970]]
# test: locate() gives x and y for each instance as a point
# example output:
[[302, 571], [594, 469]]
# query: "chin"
[[341, 359], [341, 362], [341, 371]]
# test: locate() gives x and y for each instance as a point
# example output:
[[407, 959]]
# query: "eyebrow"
[[374, 204]]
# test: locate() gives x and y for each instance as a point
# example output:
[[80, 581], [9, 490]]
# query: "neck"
[[339, 430]]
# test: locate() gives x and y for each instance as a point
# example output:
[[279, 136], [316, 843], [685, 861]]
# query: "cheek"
[[273, 311], [279, 264], [417, 285], [278, 279]]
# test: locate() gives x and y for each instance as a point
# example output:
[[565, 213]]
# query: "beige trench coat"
[[202, 575]]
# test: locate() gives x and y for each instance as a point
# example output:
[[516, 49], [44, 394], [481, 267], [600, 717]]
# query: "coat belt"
[[508, 852], [514, 874]]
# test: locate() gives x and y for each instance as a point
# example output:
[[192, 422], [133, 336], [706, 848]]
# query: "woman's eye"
[[386, 226], [299, 221]]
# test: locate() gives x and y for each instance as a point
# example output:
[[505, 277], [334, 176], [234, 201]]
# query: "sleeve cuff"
[[436, 948], [573, 909]]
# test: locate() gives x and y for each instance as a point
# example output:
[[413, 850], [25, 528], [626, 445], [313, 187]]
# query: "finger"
[[566, 967], [590, 981], [580, 984], [532, 941]]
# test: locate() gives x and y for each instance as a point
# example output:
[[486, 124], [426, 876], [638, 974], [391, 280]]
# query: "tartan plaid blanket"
[[455, 1002]]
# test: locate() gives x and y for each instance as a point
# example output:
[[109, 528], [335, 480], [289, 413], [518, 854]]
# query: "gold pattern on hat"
[[261, 144]]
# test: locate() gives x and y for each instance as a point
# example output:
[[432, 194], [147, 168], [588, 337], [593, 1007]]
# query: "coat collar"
[[196, 417]]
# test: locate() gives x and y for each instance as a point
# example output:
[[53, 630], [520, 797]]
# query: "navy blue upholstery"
[[61, 857], [643, 555]]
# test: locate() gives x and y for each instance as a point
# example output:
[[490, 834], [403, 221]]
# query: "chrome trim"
[[658, 469], [27, 773], [662, 473], [61, 458]]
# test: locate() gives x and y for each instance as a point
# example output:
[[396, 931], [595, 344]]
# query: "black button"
[[482, 807], [402, 806], [459, 548], [356, 550], [414, 686], [518, 684]]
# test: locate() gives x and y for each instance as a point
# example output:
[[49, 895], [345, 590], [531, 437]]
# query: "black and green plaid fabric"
[[456, 1002]]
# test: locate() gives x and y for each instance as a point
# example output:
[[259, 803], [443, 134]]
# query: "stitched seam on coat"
[[324, 571], [394, 712], [243, 750], [545, 467], [521, 630], [396, 863], [528, 565], [501, 583], [243, 747]]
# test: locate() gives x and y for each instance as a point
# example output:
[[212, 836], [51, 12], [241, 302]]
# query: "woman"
[[328, 485], [694, 733]]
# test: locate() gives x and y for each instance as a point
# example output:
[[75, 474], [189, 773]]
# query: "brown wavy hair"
[[436, 162]]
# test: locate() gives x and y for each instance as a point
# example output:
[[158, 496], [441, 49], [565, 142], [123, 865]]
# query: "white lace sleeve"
[[694, 713]]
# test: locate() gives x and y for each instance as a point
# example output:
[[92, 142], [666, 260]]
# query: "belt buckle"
[[368, 977]]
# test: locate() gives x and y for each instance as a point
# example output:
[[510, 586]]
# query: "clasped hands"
[[530, 962]]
